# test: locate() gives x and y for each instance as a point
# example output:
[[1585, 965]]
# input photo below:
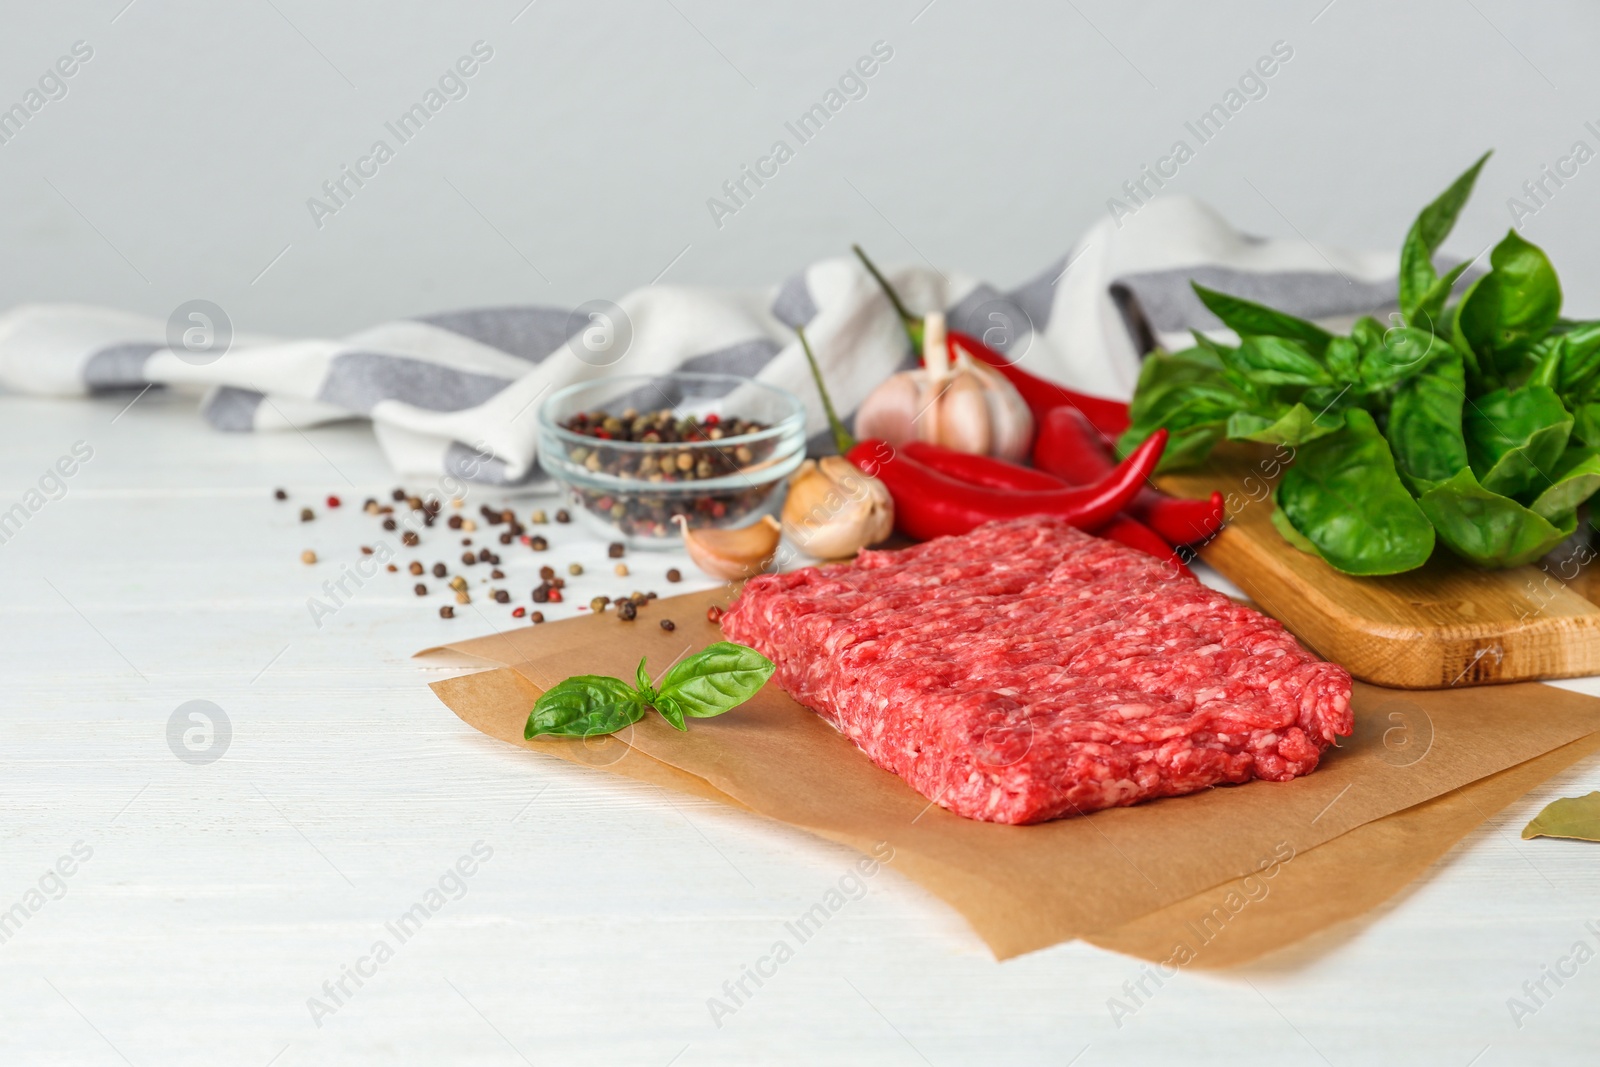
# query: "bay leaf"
[[1574, 817]]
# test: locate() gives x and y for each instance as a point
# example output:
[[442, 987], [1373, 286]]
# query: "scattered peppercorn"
[[538, 517], [410, 538], [562, 516], [468, 526], [454, 522], [458, 583], [547, 572], [626, 611], [502, 597], [469, 558], [440, 570], [463, 597], [416, 567], [574, 569], [651, 595], [714, 614], [485, 556], [388, 524], [518, 612], [668, 625], [279, 494], [366, 550], [370, 506], [599, 603], [674, 575], [497, 573], [536, 616], [391, 568], [308, 556], [615, 549], [466, 540], [414, 503], [447, 612], [538, 544], [398, 494], [420, 589], [541, 594], [334, 501], [555, 596], [306, 515], [620, 570]]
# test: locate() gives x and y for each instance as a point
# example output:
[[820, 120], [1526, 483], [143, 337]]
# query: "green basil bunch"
[[714, 680], [1473, 424]]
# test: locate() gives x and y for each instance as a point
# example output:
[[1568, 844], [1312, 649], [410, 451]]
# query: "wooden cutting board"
[[1445, 624]]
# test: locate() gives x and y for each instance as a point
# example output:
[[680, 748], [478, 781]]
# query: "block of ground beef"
[[1028, 671]]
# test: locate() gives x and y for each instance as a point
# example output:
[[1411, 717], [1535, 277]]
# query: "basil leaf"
[[720, 677], [670, 711], [1575, 479], [1398, 354], [1504, 312], [1296, 426], [1429, 311], [646, 691], [1580, 361], [1276, 361], [1187, 393], [1418, 280], [1290, 534], [1343, 357], [1247, 318], [1345, 497], [1487, 528], [1586, 423], [1515, 436], [585, 706], [1425, 424]]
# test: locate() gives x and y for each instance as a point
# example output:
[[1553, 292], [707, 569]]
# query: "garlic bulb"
[[834, 510], [732, 554], [958, 402]]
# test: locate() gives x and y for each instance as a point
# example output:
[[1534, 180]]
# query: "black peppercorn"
[[439, 570], [626, 610], [668, 625]]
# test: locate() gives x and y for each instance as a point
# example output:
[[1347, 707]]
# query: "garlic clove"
[[1010, 422], [964, 415], [834, 510], [889, 412], [732, 554]]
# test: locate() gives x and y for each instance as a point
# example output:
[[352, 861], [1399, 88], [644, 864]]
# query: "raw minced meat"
[[1028, 671]]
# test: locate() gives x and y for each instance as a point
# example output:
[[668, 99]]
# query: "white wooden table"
[[218, 898]]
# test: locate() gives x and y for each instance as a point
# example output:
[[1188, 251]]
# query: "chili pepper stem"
[[842, 440], [908, 320]]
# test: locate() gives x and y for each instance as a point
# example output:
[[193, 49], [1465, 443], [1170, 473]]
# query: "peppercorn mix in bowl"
[[632, 451]]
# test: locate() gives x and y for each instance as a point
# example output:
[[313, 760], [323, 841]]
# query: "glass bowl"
[[729, 444]]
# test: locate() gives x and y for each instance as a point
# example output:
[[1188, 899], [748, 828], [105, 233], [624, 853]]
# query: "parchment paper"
[[1129, 878]]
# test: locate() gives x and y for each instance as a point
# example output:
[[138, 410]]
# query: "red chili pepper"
[[1070, 448], [982, 470], [930, 504], [1135, 534]]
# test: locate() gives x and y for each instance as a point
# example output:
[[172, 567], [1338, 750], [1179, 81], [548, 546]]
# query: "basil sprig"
[[708, 683], [1474, 425]]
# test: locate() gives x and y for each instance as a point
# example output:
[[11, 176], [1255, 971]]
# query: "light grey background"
[[179, 164]]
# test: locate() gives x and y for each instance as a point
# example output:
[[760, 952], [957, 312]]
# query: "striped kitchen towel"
[[444, 390]]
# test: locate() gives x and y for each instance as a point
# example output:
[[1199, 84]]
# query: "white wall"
[[592, 139]]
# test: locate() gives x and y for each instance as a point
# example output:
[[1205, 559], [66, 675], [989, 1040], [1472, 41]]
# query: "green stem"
[[912, 323], [841, 436]]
